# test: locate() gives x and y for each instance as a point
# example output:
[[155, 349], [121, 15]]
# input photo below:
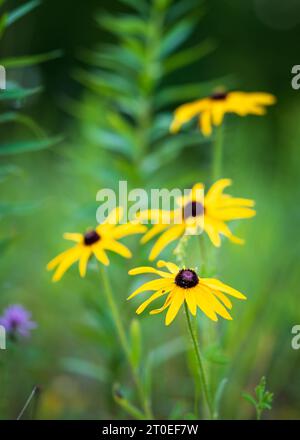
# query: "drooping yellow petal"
[[162, 283], [156, 229], [70, 259], [175, 304], [186, 112], [213, 283], [167, 237], [205, 123], [226, 301], [164, 306], [204, 305], [152, 298], [191, 302], [100, 255], [215, 304], [218, 110], [84, 258], [117, 247], [212, 233], [59, 258]]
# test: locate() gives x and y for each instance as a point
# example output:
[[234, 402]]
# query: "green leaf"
[[249, 399], [177, 35], [24, 120], [140, 5], [188, 56], [3, 23], [28, 146], [22, 10], [218, 396], [123, 24], [18, 93], [180, 8], [135, 342], [30, 60]]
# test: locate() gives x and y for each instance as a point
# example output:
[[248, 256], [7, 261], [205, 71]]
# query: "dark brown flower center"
[[91, 237], [186, 278], [193, 209], [219, 96]]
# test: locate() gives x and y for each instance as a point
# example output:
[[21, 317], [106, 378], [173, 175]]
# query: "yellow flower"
[[211, 110], [185, 285], [94, 242], [212, 212]]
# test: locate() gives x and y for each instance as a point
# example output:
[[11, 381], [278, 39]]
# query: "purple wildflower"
[[17, 321]]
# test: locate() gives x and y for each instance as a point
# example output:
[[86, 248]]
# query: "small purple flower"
[[17, 321]]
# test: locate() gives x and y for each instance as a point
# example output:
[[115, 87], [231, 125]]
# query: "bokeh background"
[[102, 116]]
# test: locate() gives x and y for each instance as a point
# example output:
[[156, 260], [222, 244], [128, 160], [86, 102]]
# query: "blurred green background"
[[110, 94]]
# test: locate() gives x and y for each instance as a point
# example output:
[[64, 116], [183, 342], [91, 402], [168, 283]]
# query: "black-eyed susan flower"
[[179, 285], [211, 110], [95, 242], [210, 213]]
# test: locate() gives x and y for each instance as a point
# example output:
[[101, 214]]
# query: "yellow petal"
[[162, 283], [175, 304], [186, 112], [233, 213], [213, 283], [127, 229], [216, 190], [84, 258], [73, 256], [204, 305], [191, 302], [117, 247], [218, 110], [147, 269], [205, 123], [156, 229], [152, 298], [165, 305], [73, 236], [167, 237], [212, 233], [226, 301], [215, 304], [100, 255], [60, 257], [173, 268]]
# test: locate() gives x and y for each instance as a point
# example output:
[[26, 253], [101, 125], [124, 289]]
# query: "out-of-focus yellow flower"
[[211, 110], [210, 212], [182, 284], [95, 242]]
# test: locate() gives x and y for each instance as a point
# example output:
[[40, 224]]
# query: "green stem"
[[217, 154], [202, 376], [124, 342]]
